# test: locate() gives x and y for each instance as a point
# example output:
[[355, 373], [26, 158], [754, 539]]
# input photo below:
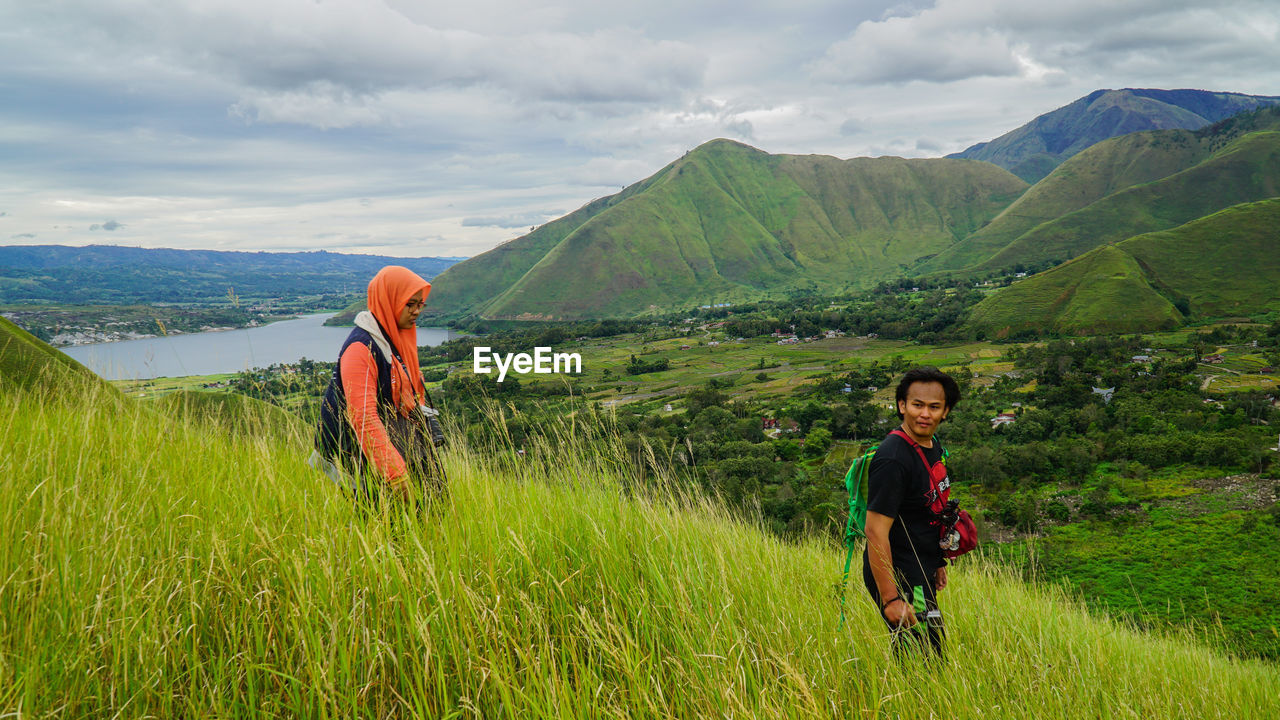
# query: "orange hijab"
[[389, 291]]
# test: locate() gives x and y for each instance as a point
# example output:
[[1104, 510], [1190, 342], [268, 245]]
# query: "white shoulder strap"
[[365, 321]]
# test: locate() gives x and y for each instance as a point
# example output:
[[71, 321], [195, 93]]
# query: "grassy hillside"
[[1222, 264], [1101, 170], [26, 361], [1032, 151], [1040, 224], [1246, 170], [1103, 291], [159, 561], [1225, 264], [729, 222], [231, 411], [474, 282], [184, 571], [170, 559]]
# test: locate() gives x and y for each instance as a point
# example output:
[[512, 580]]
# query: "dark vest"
[[335, 439]]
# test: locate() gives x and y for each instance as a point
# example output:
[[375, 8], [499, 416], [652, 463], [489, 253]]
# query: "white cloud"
[[959, 39], [904, 49], [329, 63], [511, 221], [852, 126], [607, 172]]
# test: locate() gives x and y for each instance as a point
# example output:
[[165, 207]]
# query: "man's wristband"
[[890, 601]]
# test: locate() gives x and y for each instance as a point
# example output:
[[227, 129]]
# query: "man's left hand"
[[940, 579]]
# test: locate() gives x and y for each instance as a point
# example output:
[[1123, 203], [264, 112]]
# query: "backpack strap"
[[928, 468], [919, 450], [844, 585], [854, 481]]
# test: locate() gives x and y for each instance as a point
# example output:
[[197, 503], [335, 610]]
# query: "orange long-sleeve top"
[[360, 385]]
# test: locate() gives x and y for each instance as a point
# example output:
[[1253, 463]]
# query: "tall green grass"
[[155, 566]]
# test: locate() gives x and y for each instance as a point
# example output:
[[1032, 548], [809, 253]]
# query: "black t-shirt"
[[898, 486]]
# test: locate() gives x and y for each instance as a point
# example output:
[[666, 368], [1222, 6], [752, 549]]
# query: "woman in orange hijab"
[[374, 417]]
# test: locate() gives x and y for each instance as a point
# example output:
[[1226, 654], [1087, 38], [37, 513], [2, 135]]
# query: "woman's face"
[[409, 313]]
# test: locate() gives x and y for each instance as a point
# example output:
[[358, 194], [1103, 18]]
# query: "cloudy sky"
[[416, 128]]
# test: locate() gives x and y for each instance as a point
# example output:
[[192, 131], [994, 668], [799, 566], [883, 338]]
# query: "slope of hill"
[[230, 411], [26, 362], [729, 222], [1035, 149], [1108, 168], [469, 284], [1246, 170], [124, 275], [1222, 264], [212, 574]]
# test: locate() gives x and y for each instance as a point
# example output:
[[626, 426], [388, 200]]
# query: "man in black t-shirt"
[[903, 563]]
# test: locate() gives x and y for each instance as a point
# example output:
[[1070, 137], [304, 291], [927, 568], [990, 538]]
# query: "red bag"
[[959, 537]]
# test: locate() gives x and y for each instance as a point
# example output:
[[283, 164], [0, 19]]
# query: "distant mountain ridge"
[[1125, 186], [728, 222], [1032, 151], [115, 274]]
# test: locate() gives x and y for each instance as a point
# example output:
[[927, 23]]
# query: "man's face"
[[924, 408], [409, 313]]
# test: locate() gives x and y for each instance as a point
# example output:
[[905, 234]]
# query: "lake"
[[226, 351]]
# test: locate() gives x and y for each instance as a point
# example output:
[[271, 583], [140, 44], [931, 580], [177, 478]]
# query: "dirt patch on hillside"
[[1242, 492]]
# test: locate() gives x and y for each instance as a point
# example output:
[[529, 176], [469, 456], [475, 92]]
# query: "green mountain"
[[1247, 170], [1032, 151], [728, 222], [1223, 264], [1108, 167], [1126, 186]]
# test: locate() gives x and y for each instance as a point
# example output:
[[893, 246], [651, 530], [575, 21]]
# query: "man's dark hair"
[[928, 374]]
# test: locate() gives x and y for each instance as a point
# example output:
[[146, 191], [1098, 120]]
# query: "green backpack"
[[855, 482]]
